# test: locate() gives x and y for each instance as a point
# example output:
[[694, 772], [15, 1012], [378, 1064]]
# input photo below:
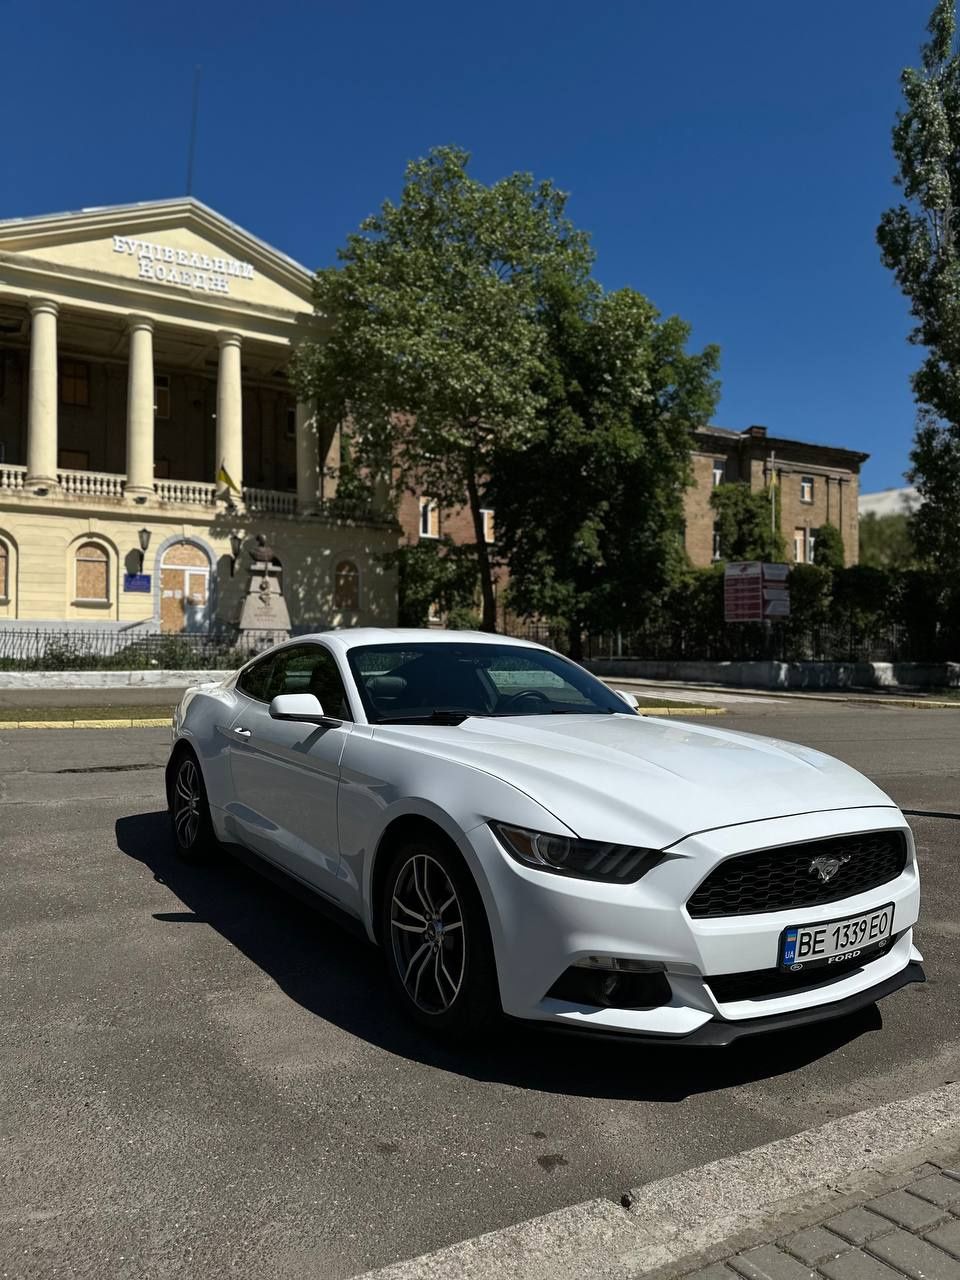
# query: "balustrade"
[[197, 492], [272, 500], [92, 484], [11, 475]]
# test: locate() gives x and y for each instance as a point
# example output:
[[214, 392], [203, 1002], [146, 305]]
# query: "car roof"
[[352, 637]]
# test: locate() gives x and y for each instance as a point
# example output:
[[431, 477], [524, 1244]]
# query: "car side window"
[[254, 681], [312, 669]]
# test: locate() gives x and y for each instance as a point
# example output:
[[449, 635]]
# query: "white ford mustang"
[[519, 840]]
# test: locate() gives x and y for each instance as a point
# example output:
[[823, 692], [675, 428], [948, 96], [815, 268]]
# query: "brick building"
[[817, 484]]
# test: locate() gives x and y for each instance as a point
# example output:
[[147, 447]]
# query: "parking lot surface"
[[203, 1076]]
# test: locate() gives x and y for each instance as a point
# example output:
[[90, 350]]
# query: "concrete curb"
[[674, 1221], [793, 695], [141, 722], [682, 711]]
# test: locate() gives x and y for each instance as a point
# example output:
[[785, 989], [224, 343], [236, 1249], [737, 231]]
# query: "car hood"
[[637, 778]]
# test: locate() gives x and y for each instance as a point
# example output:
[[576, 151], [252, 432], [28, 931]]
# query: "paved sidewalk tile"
[[907, 1210], [946, 1237], [859, 1225], [815, 1245], [770, 1263], [914, 1256], [857, 1265], [719, 1271], [939, 1190]]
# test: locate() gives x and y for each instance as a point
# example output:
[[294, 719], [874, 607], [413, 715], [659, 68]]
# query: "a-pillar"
[[42, 403], [308, 459], [140, 411], [229, 457]]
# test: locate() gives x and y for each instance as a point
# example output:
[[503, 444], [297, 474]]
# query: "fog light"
[[617, 965]]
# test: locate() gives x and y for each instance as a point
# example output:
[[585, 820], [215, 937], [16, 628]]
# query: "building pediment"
[[164, 250]]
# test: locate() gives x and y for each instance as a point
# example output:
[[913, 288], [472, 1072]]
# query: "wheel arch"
[[407, 826]]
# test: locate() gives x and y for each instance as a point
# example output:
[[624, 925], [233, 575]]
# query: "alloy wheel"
[[187, 799], [427, 934]]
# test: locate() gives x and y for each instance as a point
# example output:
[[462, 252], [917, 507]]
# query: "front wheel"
[[437, 942], [189, 810]]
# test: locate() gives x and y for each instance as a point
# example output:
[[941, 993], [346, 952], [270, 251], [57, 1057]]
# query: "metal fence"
[[73, 649], [793, 641]]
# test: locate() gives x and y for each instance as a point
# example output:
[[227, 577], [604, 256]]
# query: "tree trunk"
[[488, 620], [575, 642]]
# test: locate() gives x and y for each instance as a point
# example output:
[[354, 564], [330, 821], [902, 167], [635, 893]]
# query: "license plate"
[[810, 946]]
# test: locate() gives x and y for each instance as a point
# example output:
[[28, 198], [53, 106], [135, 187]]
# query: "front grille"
[[776, 982], [783, 879]]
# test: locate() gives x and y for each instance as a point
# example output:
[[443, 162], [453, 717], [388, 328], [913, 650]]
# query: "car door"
[[286, 775]]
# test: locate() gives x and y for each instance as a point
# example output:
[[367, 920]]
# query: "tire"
[[190, 821], [440, 962]]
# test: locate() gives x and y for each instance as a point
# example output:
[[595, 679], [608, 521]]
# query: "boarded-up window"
[[4, 571], [93, 568], [161, 395], [75, 382], [346, 594]]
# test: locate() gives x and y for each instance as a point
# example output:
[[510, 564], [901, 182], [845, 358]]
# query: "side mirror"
[[303, 707], [629, 698]]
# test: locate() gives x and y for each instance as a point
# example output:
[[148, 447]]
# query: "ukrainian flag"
[[223, 477]]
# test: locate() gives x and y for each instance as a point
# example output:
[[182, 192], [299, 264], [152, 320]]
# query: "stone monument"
[[264, 616]]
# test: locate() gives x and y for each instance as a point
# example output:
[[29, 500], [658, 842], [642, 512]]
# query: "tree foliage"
[[886, 542], [589, 509], [748, 523], [919, 243], [436, 576], [828, 550], [435, 348]]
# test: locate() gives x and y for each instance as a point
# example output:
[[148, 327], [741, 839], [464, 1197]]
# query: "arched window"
[[346, 592], [4, 571], [93, 573]]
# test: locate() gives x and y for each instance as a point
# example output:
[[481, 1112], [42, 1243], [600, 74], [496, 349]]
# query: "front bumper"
[[542, 924]]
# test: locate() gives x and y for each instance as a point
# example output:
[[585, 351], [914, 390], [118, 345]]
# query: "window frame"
[[100, 601], [805, 482], [428, 507], [346, 608], [800, 536], [74, 378], [161, 383], [487, 513], [5, 561], [719, 472], [284, 655], [715, 555]]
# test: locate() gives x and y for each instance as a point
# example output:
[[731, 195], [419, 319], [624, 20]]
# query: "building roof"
[[889, 502], [759, 433], [201, 212]]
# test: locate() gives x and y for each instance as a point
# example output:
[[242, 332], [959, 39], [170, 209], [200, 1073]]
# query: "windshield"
[[446, 682]]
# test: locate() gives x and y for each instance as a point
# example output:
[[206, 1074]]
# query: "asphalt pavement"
[[202, 1076]]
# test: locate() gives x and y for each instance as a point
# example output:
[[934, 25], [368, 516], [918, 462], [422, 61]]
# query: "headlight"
[[567, 856]]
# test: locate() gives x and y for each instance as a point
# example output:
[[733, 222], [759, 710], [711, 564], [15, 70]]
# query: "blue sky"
[[729, 157]]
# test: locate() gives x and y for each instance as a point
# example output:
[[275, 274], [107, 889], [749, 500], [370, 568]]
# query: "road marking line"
[[678, 1217]]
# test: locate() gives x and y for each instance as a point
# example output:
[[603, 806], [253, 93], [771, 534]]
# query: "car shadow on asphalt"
[[336, 975]]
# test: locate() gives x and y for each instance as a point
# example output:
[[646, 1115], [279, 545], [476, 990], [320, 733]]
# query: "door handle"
[[243, 733]]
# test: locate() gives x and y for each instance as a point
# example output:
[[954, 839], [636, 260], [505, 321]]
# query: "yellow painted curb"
[[682, 711], [86, 724]]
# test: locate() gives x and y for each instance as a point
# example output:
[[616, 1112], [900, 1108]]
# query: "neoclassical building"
[[148, 430]]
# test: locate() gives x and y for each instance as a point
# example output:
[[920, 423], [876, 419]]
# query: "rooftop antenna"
[[193, 129]]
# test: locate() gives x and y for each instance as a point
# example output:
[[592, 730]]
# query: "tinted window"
[[312, 669], [254, 681], [413, 681]]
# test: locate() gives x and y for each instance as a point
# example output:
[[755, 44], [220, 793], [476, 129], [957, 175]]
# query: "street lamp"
[[236, 542], [144, 539]]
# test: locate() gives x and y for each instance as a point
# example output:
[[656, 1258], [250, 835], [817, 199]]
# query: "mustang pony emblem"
[[826, 868]]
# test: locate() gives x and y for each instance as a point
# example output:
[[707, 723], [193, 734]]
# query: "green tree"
[[828, 549], [886, 542], [748, 523], [919, 243], [435, 347], [589, 512], [436, 574]]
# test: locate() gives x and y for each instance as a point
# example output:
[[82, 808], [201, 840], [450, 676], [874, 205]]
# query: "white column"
[[308, 459], [42, 404], [229, 415], [140, 411]]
